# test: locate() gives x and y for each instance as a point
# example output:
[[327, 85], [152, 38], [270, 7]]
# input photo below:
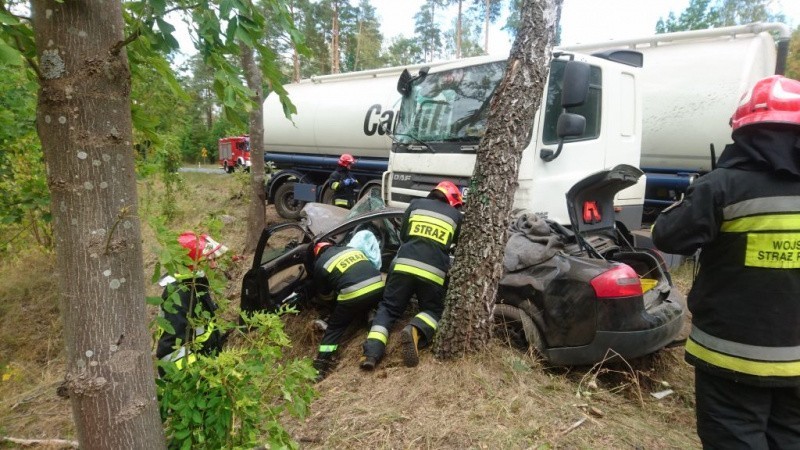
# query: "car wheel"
[[514, 325], [285, 203]]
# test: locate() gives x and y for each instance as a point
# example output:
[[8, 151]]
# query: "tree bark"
[[458, 32], [469, 304], [84, 123], [295, 55], [335, 39], [256, 215], [486, 20]]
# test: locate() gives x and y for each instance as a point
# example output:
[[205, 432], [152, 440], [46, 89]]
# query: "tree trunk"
[[295, 55], [84, 123], [256, 216], [469, 304], [458, 32], [335, 39], [486, 21]]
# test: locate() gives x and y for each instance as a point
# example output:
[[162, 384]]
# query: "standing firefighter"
[[745, 302], [430, 226], [188, 307], [343, 183], [358, 287]]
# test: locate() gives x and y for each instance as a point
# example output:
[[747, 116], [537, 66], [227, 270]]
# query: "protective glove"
[[350, 181]]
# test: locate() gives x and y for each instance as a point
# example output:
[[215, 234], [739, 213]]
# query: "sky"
[[582, 21]]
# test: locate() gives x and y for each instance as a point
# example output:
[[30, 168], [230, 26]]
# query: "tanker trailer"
[[343, 113], [691, 83]]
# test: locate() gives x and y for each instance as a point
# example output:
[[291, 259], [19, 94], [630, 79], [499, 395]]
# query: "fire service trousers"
[[343, 315], [396, 297], [733, 415]]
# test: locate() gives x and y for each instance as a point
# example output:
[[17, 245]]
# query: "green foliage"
[[25, 203], [428, 34], [793, 62], [703, 14], [237, 398]]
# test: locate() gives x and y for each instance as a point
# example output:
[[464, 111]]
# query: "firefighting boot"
[[368, 363], [324, 363], [410, 344]]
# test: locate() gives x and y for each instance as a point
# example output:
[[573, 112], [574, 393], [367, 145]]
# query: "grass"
[[499, 398]]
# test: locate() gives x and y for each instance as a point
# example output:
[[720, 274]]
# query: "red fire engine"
[[234, 153]]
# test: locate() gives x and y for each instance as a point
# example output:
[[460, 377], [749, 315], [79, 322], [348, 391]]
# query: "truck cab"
[[444, 113]]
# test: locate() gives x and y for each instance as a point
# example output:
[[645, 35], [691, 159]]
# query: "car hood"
[[590, 202]]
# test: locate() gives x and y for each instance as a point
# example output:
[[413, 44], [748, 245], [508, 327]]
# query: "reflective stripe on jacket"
[[745, 301], [348, 272], [430, 227]]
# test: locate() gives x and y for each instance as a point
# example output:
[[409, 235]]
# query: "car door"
[[280, 266]]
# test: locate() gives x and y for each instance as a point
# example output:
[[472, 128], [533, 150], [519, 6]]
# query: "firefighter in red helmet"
[[358, 286], [430, 227], [186, 297], [343, 183], [744, 217]]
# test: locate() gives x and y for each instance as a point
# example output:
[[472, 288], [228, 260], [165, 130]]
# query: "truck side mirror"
[[404, 83], [568, 125], [575, 87]]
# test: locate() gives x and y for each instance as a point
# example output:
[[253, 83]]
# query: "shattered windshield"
[[449, 106]]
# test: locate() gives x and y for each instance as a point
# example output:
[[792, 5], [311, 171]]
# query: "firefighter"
[[744, 216], [430, 226], [343, 183], [192, 301], [348, 274]]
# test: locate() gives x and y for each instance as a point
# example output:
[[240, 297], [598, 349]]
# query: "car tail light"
[[619, 281]]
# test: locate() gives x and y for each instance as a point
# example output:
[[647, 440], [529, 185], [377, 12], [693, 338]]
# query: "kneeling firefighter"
[[193, 300], [349, 274], [430, 227]]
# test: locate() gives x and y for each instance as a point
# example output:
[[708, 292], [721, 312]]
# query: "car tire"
[[515, 325], [285, 204]]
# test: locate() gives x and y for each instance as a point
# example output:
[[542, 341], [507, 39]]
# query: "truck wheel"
[[285, 204], [227, 168], [515, 326], [327, 195]]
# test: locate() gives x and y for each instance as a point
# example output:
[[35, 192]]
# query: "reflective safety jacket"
[[348, 272], [344, 196], [429, 229], [193, 297], [745, 302]]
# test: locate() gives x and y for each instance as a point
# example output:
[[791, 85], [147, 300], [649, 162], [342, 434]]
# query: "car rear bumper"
[[668, 321]]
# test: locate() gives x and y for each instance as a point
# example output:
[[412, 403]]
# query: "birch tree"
[[469, 303]]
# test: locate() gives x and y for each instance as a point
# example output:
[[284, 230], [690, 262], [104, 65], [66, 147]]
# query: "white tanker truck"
[[662, 117], [344, 113]]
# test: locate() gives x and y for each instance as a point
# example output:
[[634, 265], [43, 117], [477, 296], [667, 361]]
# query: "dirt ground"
[[500, 398]]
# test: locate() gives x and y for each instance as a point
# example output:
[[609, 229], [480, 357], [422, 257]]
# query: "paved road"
[[217, 170]]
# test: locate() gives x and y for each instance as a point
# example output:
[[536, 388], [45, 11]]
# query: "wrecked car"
[[570, 293]]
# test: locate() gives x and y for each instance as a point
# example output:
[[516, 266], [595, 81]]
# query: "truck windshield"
[[448, 110]]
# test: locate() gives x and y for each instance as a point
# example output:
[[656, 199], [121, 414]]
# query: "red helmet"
[[320, 245], [451, 193], [774, 99], [346, 160], [201, 246]]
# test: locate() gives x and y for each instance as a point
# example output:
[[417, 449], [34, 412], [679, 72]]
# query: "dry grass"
[[500, 398]]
